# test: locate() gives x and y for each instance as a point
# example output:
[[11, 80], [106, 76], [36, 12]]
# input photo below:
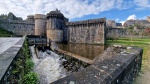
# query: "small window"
[[14, 26], [20, 27]]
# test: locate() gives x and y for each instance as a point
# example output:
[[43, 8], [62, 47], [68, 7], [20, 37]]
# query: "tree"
[[130, 32], [147, 32]]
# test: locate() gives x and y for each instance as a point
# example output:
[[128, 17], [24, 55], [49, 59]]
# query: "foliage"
[[3, 17], [30, 78], [5, 33], [28, 65], [23, 67], [147, 32], [26, 50]]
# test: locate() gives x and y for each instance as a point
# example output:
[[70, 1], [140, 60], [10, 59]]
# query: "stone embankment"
[[116, 65]]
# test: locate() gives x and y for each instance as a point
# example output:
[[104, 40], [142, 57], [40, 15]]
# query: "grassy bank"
[[5, 33]]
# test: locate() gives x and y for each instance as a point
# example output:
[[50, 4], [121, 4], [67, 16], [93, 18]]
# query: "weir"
[[51, 66]]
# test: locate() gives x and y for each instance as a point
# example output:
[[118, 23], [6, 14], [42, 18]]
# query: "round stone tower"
[[40, 24], [55, 25]]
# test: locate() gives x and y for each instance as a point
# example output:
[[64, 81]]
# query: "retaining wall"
[[7, 60]]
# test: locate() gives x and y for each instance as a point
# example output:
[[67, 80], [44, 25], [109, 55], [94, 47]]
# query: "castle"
[[57, 27]]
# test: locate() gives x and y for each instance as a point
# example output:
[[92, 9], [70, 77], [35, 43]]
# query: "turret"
[[55, 25], [40, 24], [30, 18]]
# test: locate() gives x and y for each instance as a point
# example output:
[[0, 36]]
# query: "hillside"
[[5, 33]]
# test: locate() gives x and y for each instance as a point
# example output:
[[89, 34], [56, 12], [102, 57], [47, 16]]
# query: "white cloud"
[[132, 17], [117, 20], [122, 22], [70, 8], [142, 3]]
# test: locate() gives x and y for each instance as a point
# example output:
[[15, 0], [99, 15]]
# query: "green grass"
[[139, 42], [128, 41], [5, 33]]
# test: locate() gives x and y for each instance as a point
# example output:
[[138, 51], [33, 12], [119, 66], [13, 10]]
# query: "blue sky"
[[118, 10]]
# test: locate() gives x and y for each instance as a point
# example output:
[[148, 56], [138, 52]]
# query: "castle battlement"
[[91, 21], [56, 27], [39, 16]]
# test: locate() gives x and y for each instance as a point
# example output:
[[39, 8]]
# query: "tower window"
[[14, 26]]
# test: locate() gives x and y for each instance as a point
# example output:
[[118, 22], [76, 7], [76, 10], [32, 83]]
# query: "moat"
[[84, 50]]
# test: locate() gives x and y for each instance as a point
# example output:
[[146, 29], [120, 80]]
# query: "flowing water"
[[49, 67]]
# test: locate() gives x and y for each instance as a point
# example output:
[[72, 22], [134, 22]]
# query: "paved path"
[[143, 77], [6, 43]]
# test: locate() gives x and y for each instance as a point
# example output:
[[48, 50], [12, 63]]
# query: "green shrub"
[[5, 33], [28, 65], [30, 78]]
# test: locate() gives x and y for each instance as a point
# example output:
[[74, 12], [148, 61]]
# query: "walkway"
[[6, 43]]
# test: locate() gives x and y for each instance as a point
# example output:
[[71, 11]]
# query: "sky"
[[75, 10]]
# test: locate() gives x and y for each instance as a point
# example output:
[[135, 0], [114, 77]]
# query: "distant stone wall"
[[117, 32], [19, 28], [88, 31], [16, 25]]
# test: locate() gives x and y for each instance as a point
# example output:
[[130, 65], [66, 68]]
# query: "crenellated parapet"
[[85, 22], [55, 14]]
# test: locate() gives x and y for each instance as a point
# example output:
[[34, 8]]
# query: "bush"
[[30, 78], [28, 65]]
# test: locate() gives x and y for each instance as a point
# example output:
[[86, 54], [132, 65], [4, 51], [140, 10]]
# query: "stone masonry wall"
[[19, 28], [117, 65], [116, 32], [17, 25], [88, 31]]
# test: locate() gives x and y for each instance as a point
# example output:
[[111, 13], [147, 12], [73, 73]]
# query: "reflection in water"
[[85, 50]]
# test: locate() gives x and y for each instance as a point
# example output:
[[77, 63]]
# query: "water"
[[85, 50], [49, 67]]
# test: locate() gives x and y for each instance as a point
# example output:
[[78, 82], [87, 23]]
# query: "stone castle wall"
[[116, 32], [19, 28], [57, 28], [88, 31], [17, 25]]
